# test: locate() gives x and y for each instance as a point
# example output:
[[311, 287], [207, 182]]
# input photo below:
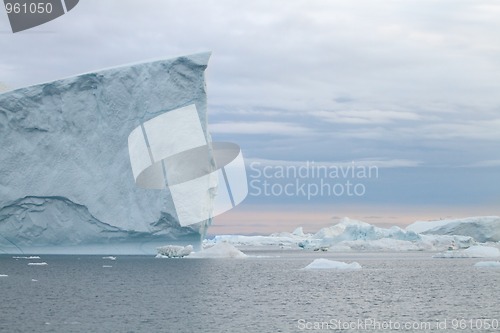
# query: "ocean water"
[[265, 293]]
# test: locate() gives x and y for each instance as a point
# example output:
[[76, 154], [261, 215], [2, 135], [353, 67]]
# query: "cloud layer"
[[313, 80]]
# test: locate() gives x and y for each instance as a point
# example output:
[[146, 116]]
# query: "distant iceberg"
[[353, 235], [483, 228], [217, 251]]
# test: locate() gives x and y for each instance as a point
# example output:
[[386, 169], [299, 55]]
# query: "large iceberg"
[[65, 173], [482, 228]]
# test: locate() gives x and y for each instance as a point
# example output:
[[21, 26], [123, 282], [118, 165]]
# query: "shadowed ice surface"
[[265, 293]]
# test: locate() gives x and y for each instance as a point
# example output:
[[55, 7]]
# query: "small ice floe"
[[106, 266], [219, 251], [173, 251], [34, 280], [37, 264], [331, 264], [477, 251], [29, 258], [109, 258], [488, 264], [3, 275]]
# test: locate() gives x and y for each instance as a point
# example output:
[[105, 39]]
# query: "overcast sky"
[[410, 86]]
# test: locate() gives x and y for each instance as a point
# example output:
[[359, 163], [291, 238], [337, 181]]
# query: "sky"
[[407, 87]]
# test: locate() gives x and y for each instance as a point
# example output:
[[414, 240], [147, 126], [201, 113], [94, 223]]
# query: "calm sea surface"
[[267, 293]]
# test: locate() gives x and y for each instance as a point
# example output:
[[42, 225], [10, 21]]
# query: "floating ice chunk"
[[488, 264], [106, 266], [482, 252], [331, 264], [37, 264], [477, 251], [109, 258], [29, 258], [3, 275], [33, 280], [174, 251], [219, 250]]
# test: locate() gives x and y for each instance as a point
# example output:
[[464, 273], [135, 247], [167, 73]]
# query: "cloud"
[[365, 117], [4, 87], [472, 129], [259, 127], [484, 164], [412, 83]]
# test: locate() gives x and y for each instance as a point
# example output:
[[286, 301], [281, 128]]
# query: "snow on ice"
[[219, 250], [482, 229], [331, 264]]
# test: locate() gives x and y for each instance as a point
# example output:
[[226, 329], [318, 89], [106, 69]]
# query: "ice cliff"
[[65, 174]]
